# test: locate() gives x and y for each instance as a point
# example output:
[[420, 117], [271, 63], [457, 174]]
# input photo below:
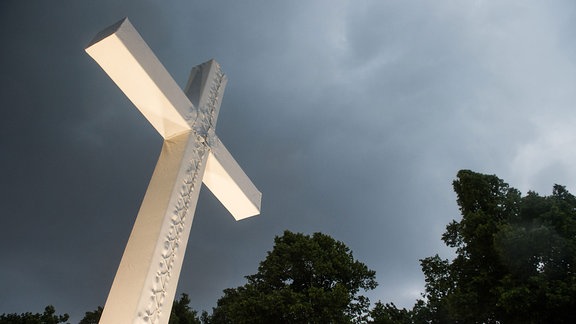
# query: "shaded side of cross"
[[145, 283]]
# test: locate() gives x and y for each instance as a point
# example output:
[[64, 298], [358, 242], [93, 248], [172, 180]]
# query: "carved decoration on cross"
[[145, 284]]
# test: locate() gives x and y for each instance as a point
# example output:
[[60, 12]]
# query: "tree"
[[515, 257], [48, 317], [304, 279], [390, 314], [182, 313], [92, 317]]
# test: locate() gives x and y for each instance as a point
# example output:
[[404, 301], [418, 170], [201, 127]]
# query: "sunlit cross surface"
[[145, 283]]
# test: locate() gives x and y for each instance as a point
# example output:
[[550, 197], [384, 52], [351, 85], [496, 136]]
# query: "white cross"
[[145, 283]]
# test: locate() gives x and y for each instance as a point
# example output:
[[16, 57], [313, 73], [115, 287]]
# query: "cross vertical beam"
[[145, 284]]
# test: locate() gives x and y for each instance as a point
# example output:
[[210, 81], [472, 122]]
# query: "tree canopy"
[[182, 313], [304, 279], [515, 258], [48, 317]]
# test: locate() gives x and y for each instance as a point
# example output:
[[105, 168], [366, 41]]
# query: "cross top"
[[145, 284], [203, 119]]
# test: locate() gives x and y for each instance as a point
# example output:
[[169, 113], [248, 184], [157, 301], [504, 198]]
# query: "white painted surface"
[[145, 284]]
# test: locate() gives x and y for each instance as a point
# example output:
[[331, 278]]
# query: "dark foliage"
[[515, 258], [48, 317], [304, 279]]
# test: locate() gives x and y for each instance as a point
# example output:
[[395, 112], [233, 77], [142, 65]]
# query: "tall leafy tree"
[[486, 203], [515, 257], [538, 248], [304, 279]]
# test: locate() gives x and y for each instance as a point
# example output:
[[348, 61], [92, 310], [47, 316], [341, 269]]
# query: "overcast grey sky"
[[352, 118]]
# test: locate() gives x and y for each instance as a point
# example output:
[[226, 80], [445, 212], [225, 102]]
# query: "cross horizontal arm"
[[131, 64], [227, 181]]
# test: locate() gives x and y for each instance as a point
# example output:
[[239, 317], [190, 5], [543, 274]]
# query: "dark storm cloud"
[[351, 118]]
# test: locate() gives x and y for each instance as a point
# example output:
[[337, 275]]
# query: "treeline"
[[515, 263]]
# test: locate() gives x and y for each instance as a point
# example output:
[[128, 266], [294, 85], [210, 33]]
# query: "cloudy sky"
[[352, 118]]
